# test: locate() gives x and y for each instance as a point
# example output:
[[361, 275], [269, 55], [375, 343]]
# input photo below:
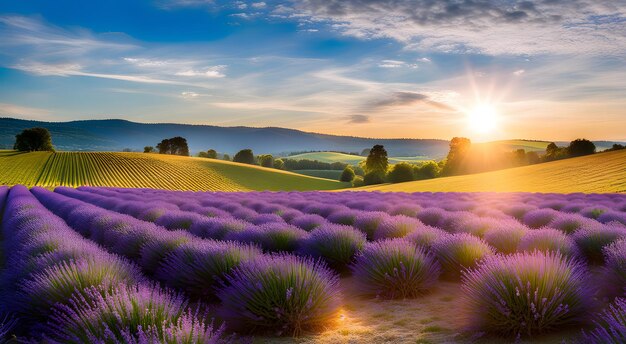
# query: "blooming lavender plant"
[[395, 269], [337, 245], [549, 239], [396, 227], [457, 252], [591, 240], [137, 314], [525, 294], [273, 236], [283, 294], [615, 268]]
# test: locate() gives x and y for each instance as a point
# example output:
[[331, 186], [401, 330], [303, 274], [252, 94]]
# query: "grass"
[[598, 173], [328, 174], [350, 159], [138, 170]]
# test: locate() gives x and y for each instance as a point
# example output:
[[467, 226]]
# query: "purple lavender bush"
[[272, 237], [137, 314], [505, 239], [549, 239], [615, 268], [337, 245], [368, 222], [540, 217], [308, 222], [425, 236], [591, 240], [395, 269], [217, 228], [456, 252], [525, 294], [610, 326], [396, 227], [197, 268], [282, 294]]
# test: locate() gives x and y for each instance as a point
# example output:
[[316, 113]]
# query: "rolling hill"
[[598, 173], [115, 135], [138, 170], [331, 157]]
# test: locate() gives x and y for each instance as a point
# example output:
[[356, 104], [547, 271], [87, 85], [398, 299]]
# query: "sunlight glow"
[[483, 118]]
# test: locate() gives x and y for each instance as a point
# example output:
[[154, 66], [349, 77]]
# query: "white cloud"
[[519, 72], [211, 72], [424, 59], [260, 4], [479, 26], [396, 64], [13, 110]]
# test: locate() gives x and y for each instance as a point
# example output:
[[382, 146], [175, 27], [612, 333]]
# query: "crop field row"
[[145, 171], [312, 267]]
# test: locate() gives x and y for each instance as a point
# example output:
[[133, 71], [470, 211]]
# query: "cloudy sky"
[[544, 69]]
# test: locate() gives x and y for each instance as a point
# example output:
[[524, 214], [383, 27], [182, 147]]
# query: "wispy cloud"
[[357, 119]]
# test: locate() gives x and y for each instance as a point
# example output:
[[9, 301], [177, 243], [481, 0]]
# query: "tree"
[[279, 164], [148, 149], [459, 148], [347, 175], [202, 154], [401, 172], [377, 160], [365, 152], [127, 150], [226, 157], [174, 146], [580, 147], [357, 181], [33, 139], [266, 160], [427, 170], [532, 157], [211, 154], [374, 177], [245, 156]]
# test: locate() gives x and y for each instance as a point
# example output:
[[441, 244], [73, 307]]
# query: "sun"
[[483, 118]]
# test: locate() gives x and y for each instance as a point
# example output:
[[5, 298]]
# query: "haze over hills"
[[116, 135]]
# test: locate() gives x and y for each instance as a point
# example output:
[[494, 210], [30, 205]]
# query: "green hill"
[[331, 157], [598, 173], [138, 170]]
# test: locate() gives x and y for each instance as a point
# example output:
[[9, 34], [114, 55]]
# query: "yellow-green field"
[[138, 170], [598, 173], [331, 157]]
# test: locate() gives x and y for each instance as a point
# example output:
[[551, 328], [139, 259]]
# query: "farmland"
[[603, 172], [345, 267], [147, 171]]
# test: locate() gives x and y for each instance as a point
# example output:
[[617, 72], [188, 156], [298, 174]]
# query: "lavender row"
[[66, 289]]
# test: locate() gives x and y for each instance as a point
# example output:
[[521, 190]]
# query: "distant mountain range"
[[116, 135]]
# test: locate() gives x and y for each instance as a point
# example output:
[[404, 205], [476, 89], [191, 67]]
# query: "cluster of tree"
[[578, 147], [209, 154], [615, 147], [174, 146], [33, 139]]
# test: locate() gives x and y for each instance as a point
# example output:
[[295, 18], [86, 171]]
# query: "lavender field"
[[106, 265]]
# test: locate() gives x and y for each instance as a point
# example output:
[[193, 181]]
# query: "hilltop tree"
[[211, 154], [245, 156], [347, 175], [459, 149], [377, 160], [554, 152], [279, 164], [148, 149], [226, 157], [33, 139], [266, 160], [580, 147], [174, 146], [427, 170]]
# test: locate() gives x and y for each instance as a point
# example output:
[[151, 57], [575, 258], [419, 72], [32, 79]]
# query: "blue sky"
[[546, 69]]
